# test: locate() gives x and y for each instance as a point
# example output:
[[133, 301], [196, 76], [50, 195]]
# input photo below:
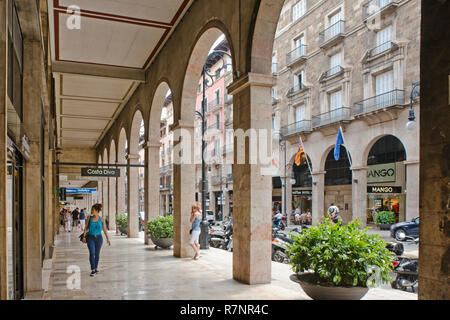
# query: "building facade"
[[351, 65]]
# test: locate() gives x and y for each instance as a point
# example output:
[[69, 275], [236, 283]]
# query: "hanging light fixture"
[[411, 125]]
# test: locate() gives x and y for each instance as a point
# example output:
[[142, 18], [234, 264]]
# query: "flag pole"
[[346, 149], [306, 157]]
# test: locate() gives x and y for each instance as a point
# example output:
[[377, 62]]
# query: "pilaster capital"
[[359, 168], [150, 145], [181, 124], [251, 79], [133, 157], [411, 162]]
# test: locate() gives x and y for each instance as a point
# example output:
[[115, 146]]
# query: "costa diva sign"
[[100, 172]]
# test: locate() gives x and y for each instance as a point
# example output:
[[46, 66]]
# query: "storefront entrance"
[[14, 223]]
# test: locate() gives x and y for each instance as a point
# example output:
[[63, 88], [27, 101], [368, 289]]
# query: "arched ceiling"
[[99, 65]]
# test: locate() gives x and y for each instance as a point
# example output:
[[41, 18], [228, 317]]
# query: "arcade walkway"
[[130, 270]]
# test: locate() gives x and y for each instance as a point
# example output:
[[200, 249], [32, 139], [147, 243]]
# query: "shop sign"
[[301, 192], [381, 173], [384, 189], [100, 172], [77, 190]]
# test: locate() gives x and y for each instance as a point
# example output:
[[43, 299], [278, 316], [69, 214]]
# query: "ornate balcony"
[[392, 98], [296, 55], [382, 48], [332, 34], [296, 127], [333, 116], [215, 105], [297, 88], [378, 6]]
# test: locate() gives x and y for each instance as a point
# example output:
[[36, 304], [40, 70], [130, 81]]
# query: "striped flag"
[[298, 155]]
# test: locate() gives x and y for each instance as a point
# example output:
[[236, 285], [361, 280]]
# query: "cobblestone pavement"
[[131, 270]]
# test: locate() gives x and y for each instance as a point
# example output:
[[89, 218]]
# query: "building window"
[[218, 121], [297, 81], [335, 27], [335, 64], [383, 40], [217, 96], [300, 113], [274, 93], [335, 100], [384, 82], [298, 10]]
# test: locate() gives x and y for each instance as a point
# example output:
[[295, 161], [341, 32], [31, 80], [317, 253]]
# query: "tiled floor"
[[131, 270]]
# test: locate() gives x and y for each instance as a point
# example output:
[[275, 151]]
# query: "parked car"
[[405, 229]]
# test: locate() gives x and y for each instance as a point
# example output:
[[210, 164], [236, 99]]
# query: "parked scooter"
[[406, 269], [279, 223], [279, 245], [220, 237]]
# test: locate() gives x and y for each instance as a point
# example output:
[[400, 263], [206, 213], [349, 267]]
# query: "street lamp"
[[292, 181], [204, 226], [412, 125]]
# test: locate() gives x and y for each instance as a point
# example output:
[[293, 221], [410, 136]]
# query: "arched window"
[[301, 174], [338, 172], [386, 150]]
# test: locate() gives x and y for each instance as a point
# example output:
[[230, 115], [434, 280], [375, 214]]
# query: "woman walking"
[[93, 236], [195, 233], [68, 221]]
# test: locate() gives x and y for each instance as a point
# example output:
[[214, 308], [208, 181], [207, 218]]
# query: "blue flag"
[[339, 141]]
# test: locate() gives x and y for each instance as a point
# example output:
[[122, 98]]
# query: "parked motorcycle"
[[279, 223], [220, 237], [279, 245], [406, 269]]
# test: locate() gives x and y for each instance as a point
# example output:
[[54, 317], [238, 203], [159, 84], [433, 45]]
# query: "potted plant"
[[384, 219], [335, 262], [122, 223], [160, 231]]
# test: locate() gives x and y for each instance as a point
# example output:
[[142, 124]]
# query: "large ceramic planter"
[[318, 292], [123, 231], [384, 226], [165, 243]]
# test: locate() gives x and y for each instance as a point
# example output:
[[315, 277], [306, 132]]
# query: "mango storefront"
[[386, 190]]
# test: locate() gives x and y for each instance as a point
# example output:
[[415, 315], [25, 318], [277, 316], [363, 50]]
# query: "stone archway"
[[121, 199], [133, 158], [112, 189], [105, 187]]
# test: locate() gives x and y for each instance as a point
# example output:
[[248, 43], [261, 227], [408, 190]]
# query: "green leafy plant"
[[385, 217], [161, 227], [122, 221], [336, 255]]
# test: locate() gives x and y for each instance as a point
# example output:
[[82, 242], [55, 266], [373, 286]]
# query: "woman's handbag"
[[190, 231], [87, 226]]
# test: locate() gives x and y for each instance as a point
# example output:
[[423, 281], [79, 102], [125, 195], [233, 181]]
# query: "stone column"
[[105, 197], [120, 193], [3, 148], [183, 187], [152, 181], [318, 196], [226, 206], [167, 197], [100, 191], [412, 190], [32, 108], [133, 196], [359, 194], [112, 203], [252, 191]]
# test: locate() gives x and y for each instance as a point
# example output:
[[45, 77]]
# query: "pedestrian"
[[196, 215], [61, 219], [68, 221], [93, 237], [82, 218], [75, 215]]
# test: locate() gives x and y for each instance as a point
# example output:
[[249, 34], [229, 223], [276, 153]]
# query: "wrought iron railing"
[[331, 32], [214, 105], [391, 98], [295, 54], [335, 115], [333, 71], [296, 88], [374, 6], [381, 48], [296, 127]]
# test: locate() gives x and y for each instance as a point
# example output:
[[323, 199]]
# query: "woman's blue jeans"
[[94, 244]]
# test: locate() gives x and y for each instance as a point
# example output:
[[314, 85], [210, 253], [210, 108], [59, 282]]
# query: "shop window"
[[386, 150], [338, 172]]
